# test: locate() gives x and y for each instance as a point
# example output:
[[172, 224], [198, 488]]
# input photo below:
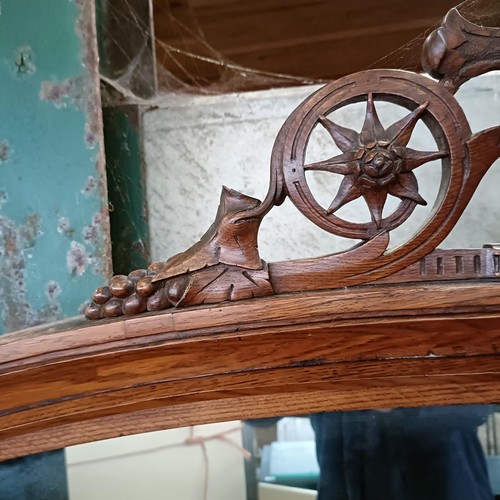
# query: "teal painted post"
[[123, 137], [54, 235], [125, 35]]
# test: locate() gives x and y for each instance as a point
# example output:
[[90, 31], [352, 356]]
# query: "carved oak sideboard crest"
[[374, 162]]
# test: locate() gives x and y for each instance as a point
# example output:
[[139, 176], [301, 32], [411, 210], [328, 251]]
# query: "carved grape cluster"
[[136, 293]]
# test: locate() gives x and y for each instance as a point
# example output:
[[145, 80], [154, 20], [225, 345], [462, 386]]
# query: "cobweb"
[[137, 67]]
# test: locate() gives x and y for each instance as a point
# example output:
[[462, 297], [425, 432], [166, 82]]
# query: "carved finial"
[[460, 50]]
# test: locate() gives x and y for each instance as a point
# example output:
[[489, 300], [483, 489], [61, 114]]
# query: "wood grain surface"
[[356, 348]]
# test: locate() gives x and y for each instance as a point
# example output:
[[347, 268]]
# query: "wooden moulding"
[[357, 348]]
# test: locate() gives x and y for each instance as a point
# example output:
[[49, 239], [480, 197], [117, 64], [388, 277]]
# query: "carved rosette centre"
[[379, 166]]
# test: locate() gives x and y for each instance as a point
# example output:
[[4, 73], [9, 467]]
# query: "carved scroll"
[[375, 162]]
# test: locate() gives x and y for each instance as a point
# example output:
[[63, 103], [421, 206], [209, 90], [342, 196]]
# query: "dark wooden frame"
[[239, 338]]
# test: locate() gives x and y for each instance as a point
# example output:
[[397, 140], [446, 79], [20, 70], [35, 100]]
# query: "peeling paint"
[[62, 94], [94, 138], [23, 64], [97, 219], [53, 308], [4, 152], [90, 185], [15, 243], [92, 232], [81, 92], [86, 31], [77, 259], [100, 221], [47, 82], [64, 227], [52, 290]]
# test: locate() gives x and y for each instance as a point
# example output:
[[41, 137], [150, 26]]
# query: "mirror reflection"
[[434, 453]]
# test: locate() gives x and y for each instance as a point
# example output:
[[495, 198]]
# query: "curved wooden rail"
[[366, 347]]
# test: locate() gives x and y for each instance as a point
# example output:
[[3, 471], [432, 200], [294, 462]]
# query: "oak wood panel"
[[298, 378], [77, 377], [367, 347], [348, 304]]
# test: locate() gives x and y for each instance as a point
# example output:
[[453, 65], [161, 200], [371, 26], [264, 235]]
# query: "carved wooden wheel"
[[376, 161]]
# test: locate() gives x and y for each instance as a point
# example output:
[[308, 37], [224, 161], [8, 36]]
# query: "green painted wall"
[[54, 236], [53, 205]]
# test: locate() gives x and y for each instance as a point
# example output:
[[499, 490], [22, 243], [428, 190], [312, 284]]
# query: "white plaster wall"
[[196, 144]]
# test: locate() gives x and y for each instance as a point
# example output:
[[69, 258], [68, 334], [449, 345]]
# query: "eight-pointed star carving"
[[376, 161]]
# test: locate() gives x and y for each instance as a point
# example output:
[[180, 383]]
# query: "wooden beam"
[[322, 40]]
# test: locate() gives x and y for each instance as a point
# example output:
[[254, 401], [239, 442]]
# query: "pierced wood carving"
[[375, 162]]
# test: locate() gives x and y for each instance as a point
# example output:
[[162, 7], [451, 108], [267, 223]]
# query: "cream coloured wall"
[[157, 466]]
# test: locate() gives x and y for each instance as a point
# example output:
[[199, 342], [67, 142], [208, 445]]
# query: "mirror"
[[432, 453]]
